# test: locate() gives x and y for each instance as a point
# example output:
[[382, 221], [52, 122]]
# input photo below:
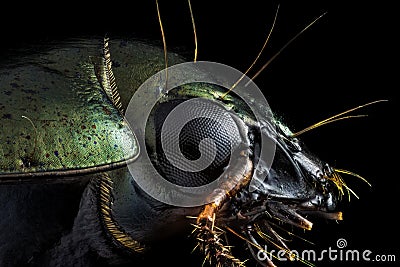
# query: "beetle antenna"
[[194, 31], [257, 57], [164, 44], [286, 45], [336, 117]]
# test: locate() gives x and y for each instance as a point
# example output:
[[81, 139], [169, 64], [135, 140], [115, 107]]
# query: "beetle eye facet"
[[192, 140]]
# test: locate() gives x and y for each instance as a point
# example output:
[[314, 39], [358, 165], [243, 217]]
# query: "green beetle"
[[61, 127], [65, 138]]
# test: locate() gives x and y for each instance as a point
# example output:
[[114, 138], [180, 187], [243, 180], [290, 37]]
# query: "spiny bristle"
[[352, 174], [216, 253]]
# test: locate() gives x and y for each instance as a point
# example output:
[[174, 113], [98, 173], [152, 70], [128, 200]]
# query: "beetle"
[[68, 137]]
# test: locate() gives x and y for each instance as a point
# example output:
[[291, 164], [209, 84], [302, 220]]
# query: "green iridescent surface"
[[55, 118]]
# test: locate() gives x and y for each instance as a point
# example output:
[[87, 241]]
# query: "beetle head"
[[297, 183]]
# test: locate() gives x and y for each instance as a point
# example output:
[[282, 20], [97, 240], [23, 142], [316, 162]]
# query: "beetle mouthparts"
[[288, 214], [323, 214]]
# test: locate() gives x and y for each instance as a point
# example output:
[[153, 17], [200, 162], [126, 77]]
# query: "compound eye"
[[192, 141]]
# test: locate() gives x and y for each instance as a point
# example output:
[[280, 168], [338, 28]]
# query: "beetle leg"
[[211, 244], [207, 234]]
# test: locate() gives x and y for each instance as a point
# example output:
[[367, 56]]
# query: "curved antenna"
[[336, 117], [330, 120], [257, 57], [164, 43], [194, 31], [286, 45]]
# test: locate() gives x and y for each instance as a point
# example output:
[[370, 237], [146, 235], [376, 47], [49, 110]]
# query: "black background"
[[346, 59]]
